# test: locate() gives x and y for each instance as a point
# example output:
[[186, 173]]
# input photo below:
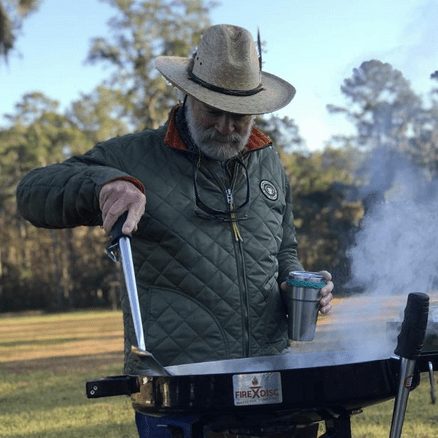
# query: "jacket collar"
[[177, 139]]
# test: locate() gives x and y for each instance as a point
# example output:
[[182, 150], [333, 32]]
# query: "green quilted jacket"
[[208, 280]]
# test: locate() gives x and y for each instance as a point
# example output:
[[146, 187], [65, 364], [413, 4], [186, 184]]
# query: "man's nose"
[[225, 124]]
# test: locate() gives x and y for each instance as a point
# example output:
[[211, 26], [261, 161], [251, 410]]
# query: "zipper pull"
[[229, 196], [236, 231]]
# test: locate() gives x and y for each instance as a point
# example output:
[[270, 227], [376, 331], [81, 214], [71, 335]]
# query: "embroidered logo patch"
[[269, 190]]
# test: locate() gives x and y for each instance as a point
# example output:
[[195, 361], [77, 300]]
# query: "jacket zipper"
[[238, 247], [243, 286], [241, 272]]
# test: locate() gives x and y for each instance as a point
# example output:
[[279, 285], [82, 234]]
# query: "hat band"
[[212, 87]]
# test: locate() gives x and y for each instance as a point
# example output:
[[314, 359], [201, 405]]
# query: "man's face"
[[218, 134]]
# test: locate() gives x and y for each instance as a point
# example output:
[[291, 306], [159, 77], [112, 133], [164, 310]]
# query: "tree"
[[38, 267], [140, 32], [422, 148], [284, 133], [12, 13], [392, 125], [97, 114], [382, 105], [38, 136], [391, 118]]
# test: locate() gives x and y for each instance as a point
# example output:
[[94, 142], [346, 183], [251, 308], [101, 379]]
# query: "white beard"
[[212, 143]]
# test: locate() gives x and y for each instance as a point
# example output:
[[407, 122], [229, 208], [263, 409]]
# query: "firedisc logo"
[[251, 389]]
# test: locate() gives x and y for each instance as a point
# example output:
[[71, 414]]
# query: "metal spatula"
[[120, 248]]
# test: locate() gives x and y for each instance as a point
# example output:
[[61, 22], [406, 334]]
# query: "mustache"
[[213, 135]]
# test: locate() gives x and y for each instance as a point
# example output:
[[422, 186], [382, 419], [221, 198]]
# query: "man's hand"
[[326, 292], [119, 196], [325, 304]]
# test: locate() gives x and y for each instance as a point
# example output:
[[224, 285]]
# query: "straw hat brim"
[[276, 92]]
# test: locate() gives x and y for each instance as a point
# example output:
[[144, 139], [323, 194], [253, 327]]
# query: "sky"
[[313, 44]]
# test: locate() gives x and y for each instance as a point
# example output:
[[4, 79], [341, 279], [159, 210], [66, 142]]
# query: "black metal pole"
[[409, 345]]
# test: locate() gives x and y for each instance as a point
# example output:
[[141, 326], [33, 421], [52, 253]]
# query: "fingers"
[[326, 293], [325, 304], [327, 275], [131, 223], [117, 197]]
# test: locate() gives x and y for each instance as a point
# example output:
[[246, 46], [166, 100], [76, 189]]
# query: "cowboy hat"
[[225, 73]]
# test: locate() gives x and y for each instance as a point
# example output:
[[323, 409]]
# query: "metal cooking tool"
[[122, 243]]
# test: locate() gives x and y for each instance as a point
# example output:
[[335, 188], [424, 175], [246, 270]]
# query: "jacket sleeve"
[[66, 194], [288, 257]]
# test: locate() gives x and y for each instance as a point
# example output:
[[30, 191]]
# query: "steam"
[[396, 250], [395, 253]]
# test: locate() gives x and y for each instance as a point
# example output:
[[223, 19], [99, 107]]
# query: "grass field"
[[44, 364], [45, 361]]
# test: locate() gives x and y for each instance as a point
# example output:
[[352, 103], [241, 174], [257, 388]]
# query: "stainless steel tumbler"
[[302, 301]]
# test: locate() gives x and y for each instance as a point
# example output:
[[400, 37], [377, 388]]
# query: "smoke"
[[396, 249], [395, 253]]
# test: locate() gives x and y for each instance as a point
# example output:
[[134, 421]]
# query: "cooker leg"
[[339, 427], [409, 345], [432, 383]]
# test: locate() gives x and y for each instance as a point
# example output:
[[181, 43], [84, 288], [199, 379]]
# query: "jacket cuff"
[[134, 181]]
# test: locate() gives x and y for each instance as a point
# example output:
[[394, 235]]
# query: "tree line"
[[333, 188]]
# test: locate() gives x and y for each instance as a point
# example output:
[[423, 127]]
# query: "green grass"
[[20, 319], [421, 418], [47, 405]]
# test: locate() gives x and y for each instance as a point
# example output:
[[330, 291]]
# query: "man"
[[215, 241]]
